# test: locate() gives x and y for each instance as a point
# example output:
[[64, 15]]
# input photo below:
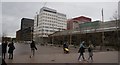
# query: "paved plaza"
[[52, 54]]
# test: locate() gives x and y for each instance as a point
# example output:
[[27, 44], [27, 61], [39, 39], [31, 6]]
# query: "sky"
[[119, 9], [59, 0], [0, 19], [13, 12]]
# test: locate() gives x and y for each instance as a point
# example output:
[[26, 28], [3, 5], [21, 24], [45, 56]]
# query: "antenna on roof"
[[37, 17], [44, 4]]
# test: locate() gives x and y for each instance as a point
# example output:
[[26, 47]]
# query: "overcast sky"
[[0, 19], [12, 12]]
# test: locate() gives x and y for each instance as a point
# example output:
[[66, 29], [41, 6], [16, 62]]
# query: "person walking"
[[33, 47], [90, 50], [4, 49], [11, 49], [81, 51]]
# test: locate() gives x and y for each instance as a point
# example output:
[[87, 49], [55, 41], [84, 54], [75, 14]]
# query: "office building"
[[47, 22], [26, 31]]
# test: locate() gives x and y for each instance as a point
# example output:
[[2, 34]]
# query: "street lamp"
[[117, 26], [102, 31]]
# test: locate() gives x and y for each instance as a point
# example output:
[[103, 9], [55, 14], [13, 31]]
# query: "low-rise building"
[[90, 31], [74, 22]]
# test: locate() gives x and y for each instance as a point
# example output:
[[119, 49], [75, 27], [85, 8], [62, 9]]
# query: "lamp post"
[[102, 31], [116, 19]]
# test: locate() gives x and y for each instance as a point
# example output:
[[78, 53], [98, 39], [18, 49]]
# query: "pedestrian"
[[33, 48], [81, 51], [90, 50], [11, 49], [4, 49]]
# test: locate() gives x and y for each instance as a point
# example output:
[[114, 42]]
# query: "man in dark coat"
[[4, 49], [33, 47], [11, 49], [81, 51]]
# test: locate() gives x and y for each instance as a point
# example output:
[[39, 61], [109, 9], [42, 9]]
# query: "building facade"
[[90, 31], [47, 22], [18, 35], [26, 31], [26, 23], [74, 22]]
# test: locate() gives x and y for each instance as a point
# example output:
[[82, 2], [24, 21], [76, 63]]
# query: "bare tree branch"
[[115, 16]]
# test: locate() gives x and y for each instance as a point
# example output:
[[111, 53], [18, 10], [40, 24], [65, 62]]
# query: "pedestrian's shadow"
[[90, 61], [85, 61], [32, 59], [9, 60]]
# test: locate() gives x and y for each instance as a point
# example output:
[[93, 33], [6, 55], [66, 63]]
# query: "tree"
[[4, 34]]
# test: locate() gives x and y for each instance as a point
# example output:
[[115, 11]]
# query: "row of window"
[[46, 20], [50, 27], [64, 18], [51, 17], [48, 14], [52, 21], [55, 24], [46, 30], [47, 17], [58, 16]]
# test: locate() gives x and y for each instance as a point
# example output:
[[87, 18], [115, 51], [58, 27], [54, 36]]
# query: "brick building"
[[73, 23], [18, 35]]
